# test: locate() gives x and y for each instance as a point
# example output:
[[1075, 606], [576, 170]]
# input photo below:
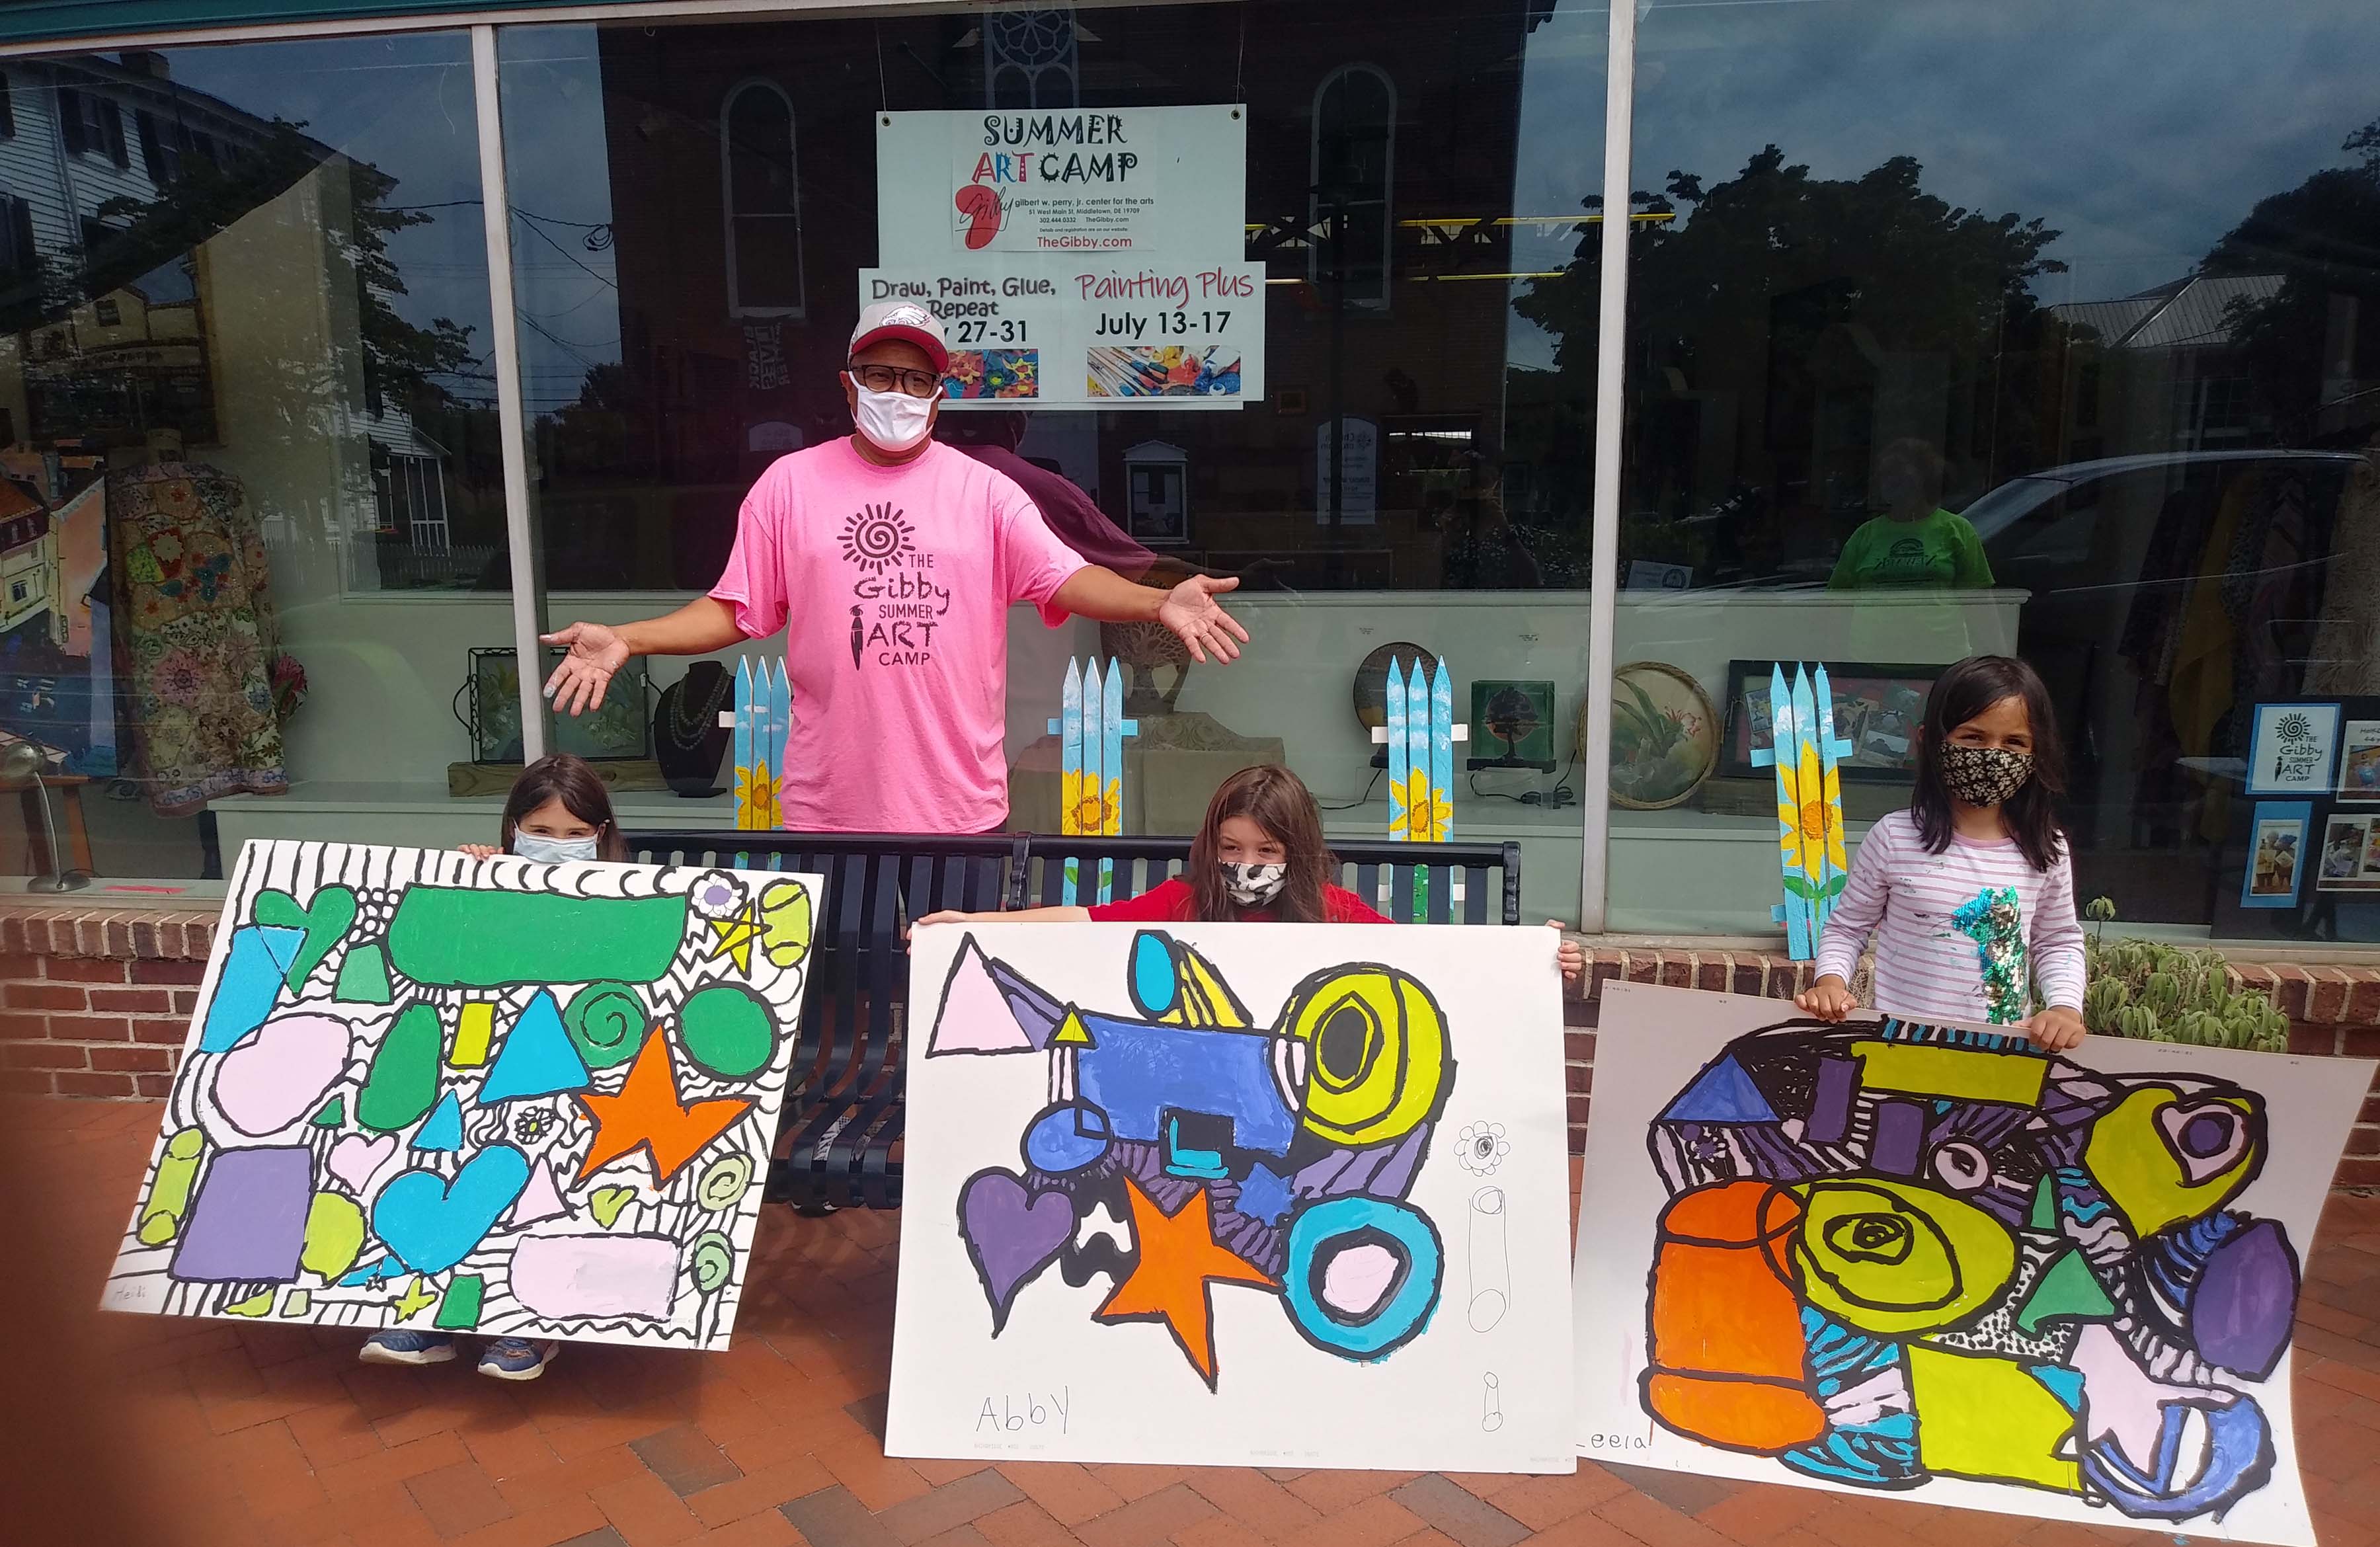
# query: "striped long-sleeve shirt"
[[1949, 927]]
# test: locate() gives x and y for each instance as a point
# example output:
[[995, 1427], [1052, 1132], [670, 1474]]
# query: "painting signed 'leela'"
[[1897, 1253], [432, 1091]]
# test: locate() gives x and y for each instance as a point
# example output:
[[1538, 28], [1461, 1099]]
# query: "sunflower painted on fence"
[[764, 715], [1420, 735], [1429, 814], [1090, 730], [1805, 751]]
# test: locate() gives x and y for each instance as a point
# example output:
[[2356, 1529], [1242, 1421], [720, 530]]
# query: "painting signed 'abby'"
[[1163, 1183]]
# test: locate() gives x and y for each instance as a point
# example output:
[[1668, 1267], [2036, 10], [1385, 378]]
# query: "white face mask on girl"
[[891, 420], [1253, 885], [554, 851]]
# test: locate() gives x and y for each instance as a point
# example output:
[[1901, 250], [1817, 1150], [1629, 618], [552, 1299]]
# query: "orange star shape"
[[648, 1114], [1178, 1260]]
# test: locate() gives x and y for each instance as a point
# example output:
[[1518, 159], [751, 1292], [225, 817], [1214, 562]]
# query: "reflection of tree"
[[1771, 269], [400, 360], [366, 361], [2323, 238]]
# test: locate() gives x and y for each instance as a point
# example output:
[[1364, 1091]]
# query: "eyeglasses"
[[885, 378]]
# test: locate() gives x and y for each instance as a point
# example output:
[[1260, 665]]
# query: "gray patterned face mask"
[[1253, 885], [1984, 776]]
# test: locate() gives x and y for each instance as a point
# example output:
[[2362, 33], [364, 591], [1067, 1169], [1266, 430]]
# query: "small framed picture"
[[2359, 760], [1878, 709], [2348, 859], [2291, 751], [2276, 848]]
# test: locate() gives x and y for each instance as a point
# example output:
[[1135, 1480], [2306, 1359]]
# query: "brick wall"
[[96, 1003]]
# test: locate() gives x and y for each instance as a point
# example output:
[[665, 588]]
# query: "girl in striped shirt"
[[1970, 892]]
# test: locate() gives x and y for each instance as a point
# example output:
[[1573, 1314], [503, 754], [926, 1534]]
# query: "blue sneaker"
[[403, 1346], [517, 1358]]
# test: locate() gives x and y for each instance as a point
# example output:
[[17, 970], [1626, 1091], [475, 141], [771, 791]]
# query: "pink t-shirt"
[[892, 585]]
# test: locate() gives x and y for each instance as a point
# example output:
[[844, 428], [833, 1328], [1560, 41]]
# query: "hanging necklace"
[[688, 731]]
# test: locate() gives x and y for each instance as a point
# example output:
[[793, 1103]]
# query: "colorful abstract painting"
[[1935, 1261], [1237, 1194], [489, 1096]]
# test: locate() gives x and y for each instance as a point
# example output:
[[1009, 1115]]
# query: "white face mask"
[[891, 420], [554, 851]]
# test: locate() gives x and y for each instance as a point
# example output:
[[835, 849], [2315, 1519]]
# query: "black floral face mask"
[[1984, 776]]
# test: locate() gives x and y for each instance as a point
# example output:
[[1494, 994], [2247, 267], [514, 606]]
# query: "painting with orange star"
[[496, 1096], [1235, 1194]]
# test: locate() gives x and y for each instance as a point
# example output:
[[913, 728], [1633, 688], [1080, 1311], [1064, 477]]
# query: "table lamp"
[[23, 761]]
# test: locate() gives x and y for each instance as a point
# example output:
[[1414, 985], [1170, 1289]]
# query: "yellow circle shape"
[[2141, 1173], [1376, 1053], [1888, 1258]]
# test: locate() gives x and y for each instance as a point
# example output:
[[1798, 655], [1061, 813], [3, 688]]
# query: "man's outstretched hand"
[[596, 653], [1191, 611]]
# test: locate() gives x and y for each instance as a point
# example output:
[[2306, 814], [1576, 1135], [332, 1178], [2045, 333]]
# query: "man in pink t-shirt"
[[890, 562]]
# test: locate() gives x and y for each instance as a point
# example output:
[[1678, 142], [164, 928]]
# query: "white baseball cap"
[[906, 320]]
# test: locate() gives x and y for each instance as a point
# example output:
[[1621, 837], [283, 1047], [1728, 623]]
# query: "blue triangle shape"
[[537, 1058], [2062, 1383], [371, 1273], [249, 983], [443, 1129], [1724, 1093]]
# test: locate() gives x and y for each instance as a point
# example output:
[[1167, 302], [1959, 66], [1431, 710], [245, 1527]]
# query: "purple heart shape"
[[1010, 1234]]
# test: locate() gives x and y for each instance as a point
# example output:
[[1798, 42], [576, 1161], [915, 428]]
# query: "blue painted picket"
[[1806, 754]]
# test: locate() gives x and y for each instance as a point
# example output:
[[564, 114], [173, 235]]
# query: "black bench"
[[1485, 871], [838, 1141]]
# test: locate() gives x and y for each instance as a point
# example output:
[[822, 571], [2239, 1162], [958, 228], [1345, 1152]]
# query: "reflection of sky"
[[2141, 131], [404, 104], [568, 295]]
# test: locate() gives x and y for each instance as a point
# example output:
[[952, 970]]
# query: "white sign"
[[1938, 1265], [1233, 1195], [1078, 258], [1139, 180], [2289, 752], [1359, 455], [1029, 332]]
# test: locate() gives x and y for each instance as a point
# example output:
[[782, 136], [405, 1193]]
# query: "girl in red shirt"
[[1259, 857]]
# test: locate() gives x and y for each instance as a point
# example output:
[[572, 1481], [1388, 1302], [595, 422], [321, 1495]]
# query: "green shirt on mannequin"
[[1939, 549]]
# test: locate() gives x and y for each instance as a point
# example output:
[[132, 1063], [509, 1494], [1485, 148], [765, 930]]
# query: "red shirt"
[[1173, 902]]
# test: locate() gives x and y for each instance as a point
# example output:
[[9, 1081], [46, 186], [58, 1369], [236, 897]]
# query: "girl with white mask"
[[558, 809]]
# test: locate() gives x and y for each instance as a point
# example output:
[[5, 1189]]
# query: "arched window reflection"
[[1355, 156], [763, 199]]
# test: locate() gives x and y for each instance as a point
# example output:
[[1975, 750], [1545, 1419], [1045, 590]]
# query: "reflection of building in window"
[[1355, 157], [409, 484], [1029, 59], [2163, 370], [763, 195], [29, 566]]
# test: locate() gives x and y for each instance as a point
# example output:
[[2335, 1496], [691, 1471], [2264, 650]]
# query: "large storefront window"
[[1404, 457], [1950, 337], [250, 473]]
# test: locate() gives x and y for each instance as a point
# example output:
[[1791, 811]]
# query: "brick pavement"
[[216, 1432]]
